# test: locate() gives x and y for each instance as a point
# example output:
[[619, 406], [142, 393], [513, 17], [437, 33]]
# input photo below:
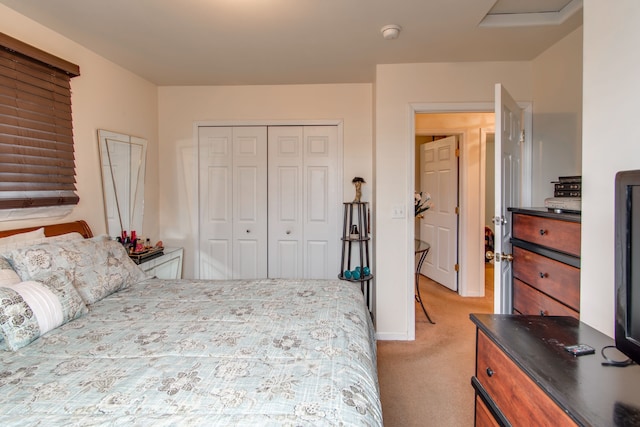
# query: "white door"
[[303, 202], [508, 182], [321, 204], [232, 199], [249, 202], [285, 204], [439, 227]]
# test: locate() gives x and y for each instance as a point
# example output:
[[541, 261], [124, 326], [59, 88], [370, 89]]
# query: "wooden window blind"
[[37, 164]]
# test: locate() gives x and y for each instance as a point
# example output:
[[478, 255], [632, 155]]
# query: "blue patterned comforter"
[[191, 353]]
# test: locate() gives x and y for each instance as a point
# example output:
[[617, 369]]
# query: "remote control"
[[579, 349]]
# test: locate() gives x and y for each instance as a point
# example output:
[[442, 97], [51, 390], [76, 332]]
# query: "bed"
[[145, 351]]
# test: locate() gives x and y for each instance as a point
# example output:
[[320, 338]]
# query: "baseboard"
[[390, 336]]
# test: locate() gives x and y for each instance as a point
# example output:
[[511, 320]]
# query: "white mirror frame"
[[123, 162]]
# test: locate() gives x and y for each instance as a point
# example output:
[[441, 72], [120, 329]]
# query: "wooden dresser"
[[525, 377], [546, 262]]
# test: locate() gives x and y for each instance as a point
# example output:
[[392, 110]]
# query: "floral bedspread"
[[192, 353]]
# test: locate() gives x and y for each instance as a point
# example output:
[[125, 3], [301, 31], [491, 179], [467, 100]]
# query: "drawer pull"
[[543, 232], [489, 372], [542, 313], [543, 275]]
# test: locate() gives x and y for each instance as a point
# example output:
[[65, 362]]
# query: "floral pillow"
[[8, 275], [31, 309], [97, 267]]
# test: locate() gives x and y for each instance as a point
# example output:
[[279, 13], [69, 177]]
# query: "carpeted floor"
[[427, 382]]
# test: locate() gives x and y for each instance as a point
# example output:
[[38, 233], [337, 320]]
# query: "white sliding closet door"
[[233, 202], [303, 202]]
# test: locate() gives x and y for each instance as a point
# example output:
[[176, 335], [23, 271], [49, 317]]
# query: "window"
[[37, 165]]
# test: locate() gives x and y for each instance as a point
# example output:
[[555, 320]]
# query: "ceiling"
[[245, 42]]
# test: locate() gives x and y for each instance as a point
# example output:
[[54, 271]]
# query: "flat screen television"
[[627, 263]]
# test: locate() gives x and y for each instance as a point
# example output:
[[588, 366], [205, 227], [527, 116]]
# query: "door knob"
[[288, 231], [507, 257], [489, 255], [498, 257]]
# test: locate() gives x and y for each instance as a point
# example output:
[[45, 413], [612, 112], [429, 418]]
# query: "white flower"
[[419, 204]]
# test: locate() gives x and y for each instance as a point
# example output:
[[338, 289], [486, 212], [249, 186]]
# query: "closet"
[[268, 202]]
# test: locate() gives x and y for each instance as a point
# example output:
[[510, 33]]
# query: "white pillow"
[[21, 238], [67, 237]]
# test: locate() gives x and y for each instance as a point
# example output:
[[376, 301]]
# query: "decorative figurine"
[[357, 181]]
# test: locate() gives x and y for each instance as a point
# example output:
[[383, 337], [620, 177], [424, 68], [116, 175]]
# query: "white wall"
[[610, 143], [103, 96], [397, 88], [181, 107], [557, 115]]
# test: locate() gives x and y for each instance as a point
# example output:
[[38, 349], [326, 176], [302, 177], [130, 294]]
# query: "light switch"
[[397, 212]]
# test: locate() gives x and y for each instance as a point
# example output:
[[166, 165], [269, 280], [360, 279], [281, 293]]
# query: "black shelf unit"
[[356, 215]]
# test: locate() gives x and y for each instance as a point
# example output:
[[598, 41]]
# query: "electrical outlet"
[[397, 212]]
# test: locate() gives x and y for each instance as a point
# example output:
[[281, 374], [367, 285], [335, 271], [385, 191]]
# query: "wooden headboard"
[[55, 229]]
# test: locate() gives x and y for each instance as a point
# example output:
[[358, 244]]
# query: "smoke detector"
[[390, 32]]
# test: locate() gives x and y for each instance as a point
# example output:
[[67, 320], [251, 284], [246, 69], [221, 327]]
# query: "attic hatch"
[[521, 13]]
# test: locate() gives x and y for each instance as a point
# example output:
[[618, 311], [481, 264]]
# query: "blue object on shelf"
[[346, 274], [355, 274], [366, 271]]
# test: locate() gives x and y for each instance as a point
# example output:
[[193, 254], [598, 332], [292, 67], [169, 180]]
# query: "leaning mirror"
[[123, 167]]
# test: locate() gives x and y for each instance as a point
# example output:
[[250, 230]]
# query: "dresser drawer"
[[552, 233], [519, 399], [483, 415], [548, 275], [530, 301]]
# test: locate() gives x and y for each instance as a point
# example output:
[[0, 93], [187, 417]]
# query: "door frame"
[[195, 219], [464, 250]]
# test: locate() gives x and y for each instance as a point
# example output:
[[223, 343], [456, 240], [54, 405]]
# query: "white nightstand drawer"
[[166, 266]]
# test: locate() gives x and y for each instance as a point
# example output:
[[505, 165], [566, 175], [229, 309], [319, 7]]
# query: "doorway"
[[473, 129]]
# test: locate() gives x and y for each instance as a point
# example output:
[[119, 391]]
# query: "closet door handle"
[[288, 231]]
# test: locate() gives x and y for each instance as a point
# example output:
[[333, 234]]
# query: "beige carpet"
[[427, 382]]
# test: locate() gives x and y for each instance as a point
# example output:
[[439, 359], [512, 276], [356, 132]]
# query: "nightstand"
[[166, 266]]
